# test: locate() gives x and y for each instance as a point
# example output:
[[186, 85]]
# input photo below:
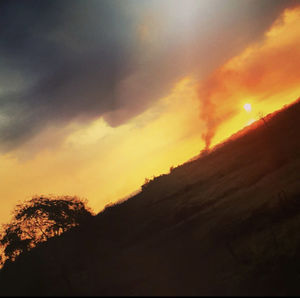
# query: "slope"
[[224, 223]]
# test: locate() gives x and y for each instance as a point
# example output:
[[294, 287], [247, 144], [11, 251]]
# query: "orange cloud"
[[266, 73]]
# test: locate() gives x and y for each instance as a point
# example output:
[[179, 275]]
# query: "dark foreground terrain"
[[227, 223]]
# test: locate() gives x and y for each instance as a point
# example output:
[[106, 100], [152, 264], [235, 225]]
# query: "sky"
[[96, 96]]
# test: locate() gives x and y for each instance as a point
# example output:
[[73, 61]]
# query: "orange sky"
[[103, 163]]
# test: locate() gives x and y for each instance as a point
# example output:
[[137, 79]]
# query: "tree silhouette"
[[36, 220]]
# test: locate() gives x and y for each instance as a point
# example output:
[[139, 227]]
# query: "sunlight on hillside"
[[259, 110], [263, 78]]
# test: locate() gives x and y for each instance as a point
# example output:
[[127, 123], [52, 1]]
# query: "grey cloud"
[[67, 60]]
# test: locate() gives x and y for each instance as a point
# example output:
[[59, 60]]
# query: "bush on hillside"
[[36, 220]]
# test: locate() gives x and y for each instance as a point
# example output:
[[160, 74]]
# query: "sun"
[[247, 107]]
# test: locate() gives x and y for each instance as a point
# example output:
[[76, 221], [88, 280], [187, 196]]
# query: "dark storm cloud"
[[66, 60]]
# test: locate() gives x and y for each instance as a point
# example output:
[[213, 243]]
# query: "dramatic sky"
[[96, 96]]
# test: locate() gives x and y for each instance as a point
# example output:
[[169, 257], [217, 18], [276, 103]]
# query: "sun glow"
[[266, 72], [247, 107]]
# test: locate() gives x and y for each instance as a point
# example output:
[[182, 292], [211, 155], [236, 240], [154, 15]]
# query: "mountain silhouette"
[[224, 223]]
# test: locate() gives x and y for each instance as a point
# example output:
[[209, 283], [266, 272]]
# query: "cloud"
[[264, 70], [100, 162], [66, 61]]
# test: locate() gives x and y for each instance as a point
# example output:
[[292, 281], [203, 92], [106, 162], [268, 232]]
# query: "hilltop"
[[225, 223]]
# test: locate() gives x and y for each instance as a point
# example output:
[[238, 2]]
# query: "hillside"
[[225, 223]]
